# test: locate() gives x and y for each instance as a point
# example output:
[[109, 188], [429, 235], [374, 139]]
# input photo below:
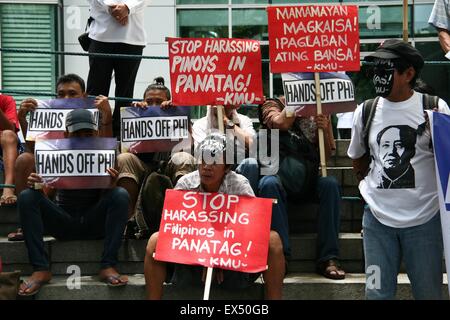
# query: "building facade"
[[54, 25]]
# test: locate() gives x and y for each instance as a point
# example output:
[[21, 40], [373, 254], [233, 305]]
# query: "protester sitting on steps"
[[241, 134], [298, 172], [67, 86], [9, 125], [73, 215], [146, 175], [215, 177]]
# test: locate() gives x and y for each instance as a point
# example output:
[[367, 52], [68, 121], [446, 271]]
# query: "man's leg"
[[180, 164], [131, 174], [125, 71], [422, 251], [100, 69], [25, 165], [38, 213], [382, 258], [152, 200], [108, 219], [274, 275], [270, 187], [328, 220], [154, 271], [8, 141], [249, 168]]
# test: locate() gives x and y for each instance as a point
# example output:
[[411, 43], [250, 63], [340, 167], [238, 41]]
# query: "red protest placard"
[[313, 38], [215, 230], [215, 71]]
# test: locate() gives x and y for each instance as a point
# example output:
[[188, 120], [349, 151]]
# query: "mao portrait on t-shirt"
[[396, 149]]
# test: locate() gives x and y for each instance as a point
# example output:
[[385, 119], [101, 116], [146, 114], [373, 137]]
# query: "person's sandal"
[[8, 201], [115, 281], [330, 269], [36, 284], [16, 236]]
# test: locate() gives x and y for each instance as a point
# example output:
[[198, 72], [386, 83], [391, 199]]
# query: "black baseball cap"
[[394, 49], [79, 119]]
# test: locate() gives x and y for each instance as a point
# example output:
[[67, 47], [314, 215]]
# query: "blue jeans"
[[329, 220], [249, 168], [270, 187], [421, 248], [39, 216]]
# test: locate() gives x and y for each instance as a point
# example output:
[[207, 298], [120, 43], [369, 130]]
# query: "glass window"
[[202, 1], [208, 23], [437, 76], [28, 26], [250, 24], [421, 26], [381, 22]]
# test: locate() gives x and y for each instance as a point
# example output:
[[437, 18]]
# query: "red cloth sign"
[[313, 38], [8, 106], [215, 230], [215, 71]]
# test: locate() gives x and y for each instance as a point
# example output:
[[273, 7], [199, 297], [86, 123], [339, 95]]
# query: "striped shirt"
[[440, 16]]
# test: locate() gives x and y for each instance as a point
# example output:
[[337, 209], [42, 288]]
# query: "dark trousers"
[[39, 216], [125, 71], [329, 220], [271, 187], [329, 196]]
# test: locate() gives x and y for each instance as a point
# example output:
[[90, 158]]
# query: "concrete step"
[[6, 228], [342, 147], [303, 217], [340, 158], [86, 254], [344, 176], [9, 220], [350, 206], [8, 215], [296, 287], [336, 161]]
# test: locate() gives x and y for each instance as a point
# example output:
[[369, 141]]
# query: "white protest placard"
[[48, 120], [76, 163], [153, 129]]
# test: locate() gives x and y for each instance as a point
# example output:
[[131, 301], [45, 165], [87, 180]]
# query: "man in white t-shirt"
[[405, 222]]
